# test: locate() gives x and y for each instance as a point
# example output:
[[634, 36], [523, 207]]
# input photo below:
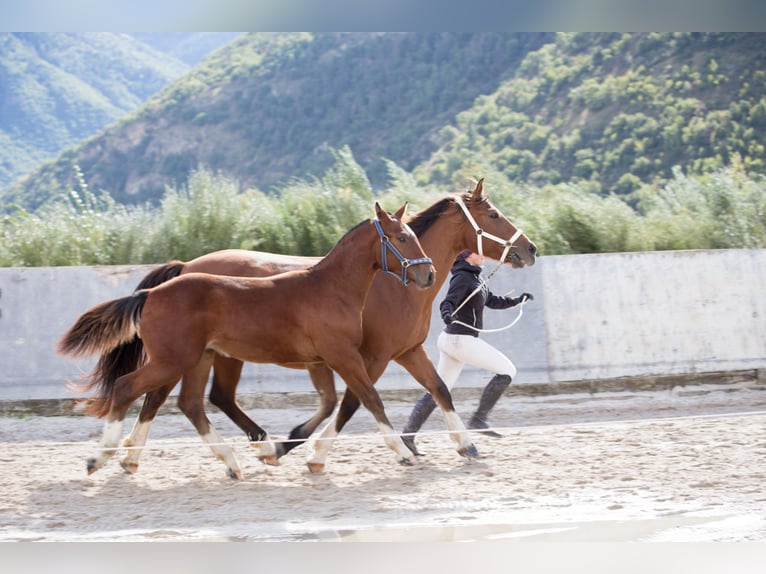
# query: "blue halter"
[[385, 243]]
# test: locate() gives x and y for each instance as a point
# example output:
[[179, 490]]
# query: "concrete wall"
[[593, 317]]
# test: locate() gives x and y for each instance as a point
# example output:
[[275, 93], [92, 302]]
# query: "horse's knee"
[[443, 397]]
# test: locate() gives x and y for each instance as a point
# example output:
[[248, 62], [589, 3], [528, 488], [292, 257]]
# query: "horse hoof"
[[410, 461], [270, 459], [315, 467], [92, 466], [235, 474], [469, 452], [129, 467]]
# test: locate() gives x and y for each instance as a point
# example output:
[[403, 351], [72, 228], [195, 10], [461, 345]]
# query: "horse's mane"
[[342, 240], [423, 220]]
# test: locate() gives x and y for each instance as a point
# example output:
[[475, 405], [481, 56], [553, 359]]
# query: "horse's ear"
[[401, 211], [478, 190], [381, 213]]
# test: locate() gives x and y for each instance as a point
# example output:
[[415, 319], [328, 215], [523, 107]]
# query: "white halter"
[[480, 233]]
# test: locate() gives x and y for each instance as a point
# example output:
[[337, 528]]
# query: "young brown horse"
[[395, 324], [298, 317]]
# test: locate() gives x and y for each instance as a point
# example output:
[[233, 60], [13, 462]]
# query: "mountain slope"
[[614, 110], [268, 107], [56, 89], [618, 111]]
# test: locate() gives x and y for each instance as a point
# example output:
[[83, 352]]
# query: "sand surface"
[[655, 466]]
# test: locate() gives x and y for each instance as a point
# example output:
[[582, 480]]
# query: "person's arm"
[[502, 302], [454, 298]]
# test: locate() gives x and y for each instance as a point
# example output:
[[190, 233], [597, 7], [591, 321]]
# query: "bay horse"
[[298, 317], [395, 324]]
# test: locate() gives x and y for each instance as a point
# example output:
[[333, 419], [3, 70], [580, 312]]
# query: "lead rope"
[[480, 234]]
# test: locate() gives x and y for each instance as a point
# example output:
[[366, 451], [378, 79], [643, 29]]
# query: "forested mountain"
[[56, 89], [270, 106], [613, 110], [617, 110]]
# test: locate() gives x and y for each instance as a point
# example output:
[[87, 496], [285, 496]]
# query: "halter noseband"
[[480, 233], [385, 243]]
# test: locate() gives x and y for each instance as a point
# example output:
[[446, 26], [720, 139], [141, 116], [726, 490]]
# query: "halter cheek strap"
[[385, 244], [480, 233]]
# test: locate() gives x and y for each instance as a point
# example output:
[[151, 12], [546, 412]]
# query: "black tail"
[[102, 329], [161, 274], [129, 355]]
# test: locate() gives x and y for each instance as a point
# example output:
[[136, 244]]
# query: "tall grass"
[[723, 209]]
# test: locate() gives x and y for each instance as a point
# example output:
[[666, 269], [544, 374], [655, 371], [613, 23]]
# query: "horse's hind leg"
[[226, 374], [422, 369], [324, 383], [127, 389], [136, 440], [191, 401]]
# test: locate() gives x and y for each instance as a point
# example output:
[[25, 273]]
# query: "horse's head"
[[401, 254], [490, 233]]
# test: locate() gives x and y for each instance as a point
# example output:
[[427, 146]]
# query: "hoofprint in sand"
[[659, 466]]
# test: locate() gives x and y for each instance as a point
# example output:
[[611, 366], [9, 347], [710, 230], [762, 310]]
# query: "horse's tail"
[[161, 274], [109, 329]]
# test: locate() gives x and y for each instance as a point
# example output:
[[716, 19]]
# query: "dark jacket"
[[465, 278]]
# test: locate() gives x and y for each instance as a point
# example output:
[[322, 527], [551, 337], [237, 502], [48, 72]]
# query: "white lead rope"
[[511, 324]]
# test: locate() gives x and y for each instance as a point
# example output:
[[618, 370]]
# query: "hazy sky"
[[382, 15]]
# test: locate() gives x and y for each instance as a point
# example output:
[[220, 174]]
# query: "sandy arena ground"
[[653, 466]]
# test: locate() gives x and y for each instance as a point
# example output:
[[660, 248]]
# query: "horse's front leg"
[[191, 401], [323, 445], [352, 369], [419, 365]]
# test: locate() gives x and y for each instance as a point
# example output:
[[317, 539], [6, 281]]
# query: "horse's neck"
[[441, 248], [351, 263]]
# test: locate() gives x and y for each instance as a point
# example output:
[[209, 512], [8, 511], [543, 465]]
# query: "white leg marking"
[[136, 438], [223, 452], [109, 442], [458, 433], [266, 451], [394, 442], [323, 445]]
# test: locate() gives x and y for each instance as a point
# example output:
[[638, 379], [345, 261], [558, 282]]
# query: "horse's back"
[[244, 263], [250, 318]]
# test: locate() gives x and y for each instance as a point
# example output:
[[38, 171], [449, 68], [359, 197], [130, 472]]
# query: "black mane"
[[423, 220]]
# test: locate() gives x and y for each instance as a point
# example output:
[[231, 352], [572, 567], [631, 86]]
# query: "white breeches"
[[458, 350]]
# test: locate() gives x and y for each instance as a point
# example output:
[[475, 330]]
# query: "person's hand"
[[447, 318], [523, 298]]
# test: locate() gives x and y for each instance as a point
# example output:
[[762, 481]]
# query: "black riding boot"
[[492, 393], [422, 410]]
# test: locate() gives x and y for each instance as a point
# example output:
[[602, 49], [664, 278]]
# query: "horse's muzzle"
[[423, 278]]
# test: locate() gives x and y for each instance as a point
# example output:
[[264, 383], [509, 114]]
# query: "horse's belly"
[[267, 350]]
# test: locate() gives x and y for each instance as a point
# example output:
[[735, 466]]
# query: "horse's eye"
[[494, 215], [401, 239]]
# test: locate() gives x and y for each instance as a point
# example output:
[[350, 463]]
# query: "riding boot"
[[492, 393], [422, 410]]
